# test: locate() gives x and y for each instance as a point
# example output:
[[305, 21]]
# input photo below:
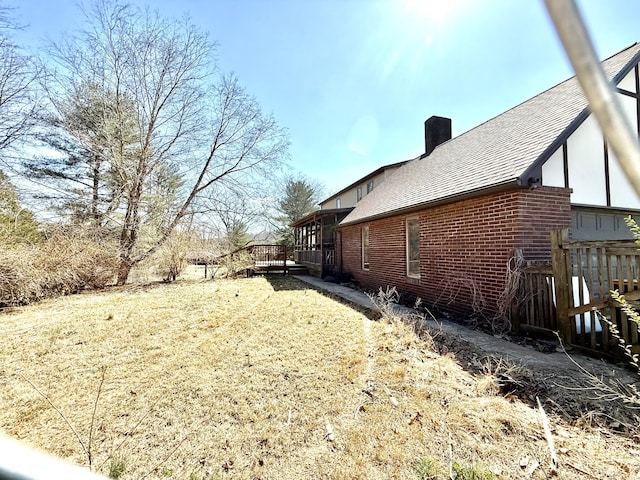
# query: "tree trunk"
[[123, 271]]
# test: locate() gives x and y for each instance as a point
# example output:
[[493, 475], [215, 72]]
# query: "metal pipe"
[[602, 99], [19, 462]]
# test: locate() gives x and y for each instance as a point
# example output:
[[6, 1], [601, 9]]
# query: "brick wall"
[[464, 246]]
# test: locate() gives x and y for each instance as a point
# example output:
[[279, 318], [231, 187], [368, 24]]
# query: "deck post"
[[286, 269], [562, 283]]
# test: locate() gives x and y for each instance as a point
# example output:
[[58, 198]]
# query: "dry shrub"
[[236, 264], [171, 259], [19, 282], [386, 303], [70, 260]]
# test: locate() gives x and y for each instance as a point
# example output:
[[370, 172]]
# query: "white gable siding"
[[585, 151], [586, 162], [553, 170], [348, 198], [628, 82], [622, 193]]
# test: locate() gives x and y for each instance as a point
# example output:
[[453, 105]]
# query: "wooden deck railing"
[[262, 257]]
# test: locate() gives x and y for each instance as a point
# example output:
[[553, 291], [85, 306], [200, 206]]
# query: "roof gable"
[[364, 179], [498, 153]]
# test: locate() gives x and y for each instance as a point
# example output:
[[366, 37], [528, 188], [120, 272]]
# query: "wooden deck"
[[270, 259], [287, 267]]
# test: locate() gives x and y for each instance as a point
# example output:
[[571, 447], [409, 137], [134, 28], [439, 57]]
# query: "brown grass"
[[240, 379]]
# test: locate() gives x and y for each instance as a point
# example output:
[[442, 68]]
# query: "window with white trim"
[[359, 194], [338, 202], [365, 247], [413, 247]]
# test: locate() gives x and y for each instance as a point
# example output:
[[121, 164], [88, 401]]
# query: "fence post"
[[561, 282]]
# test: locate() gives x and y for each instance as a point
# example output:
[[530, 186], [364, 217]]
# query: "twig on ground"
[[549, 438], [393, 399], [93, 415], [607, 392], [450, 457], [581, 470], [157, 465], [75, 432], [129, 433]]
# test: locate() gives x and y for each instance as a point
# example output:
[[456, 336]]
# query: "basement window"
[[365, 247], [413, 247]]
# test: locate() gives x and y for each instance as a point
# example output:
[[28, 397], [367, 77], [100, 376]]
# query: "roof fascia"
[[319, 214], [536, 167]]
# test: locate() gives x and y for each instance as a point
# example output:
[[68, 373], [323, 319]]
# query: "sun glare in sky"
[[419, 27], [434, 11]]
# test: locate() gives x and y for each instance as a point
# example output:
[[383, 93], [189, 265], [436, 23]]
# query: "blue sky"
[[354, 80]]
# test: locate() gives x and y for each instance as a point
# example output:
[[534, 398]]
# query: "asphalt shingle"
[[496, 153]]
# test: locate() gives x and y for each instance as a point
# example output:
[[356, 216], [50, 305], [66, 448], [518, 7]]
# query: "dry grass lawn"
[[242, 379]]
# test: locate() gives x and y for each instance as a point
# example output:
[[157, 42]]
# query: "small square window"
[[369, 186]]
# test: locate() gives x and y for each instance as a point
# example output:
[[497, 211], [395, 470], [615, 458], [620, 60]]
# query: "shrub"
[[426, 469], [117, 466], [463, 472], [237, 263], [68, 261], [171, 259]]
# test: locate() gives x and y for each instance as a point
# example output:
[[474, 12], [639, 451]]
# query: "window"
[[413, 247], [338, 203], [365, 247], [359, 194], [369, 186]]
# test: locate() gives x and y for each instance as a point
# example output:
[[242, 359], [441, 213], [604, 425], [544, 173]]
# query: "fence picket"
[[550, 303]]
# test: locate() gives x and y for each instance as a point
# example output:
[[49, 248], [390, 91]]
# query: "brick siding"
[[464, 246]]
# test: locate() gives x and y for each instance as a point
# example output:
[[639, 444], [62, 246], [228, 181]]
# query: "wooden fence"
[[572, 295]]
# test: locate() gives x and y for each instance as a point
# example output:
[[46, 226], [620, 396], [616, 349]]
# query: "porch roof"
[[315, 215]]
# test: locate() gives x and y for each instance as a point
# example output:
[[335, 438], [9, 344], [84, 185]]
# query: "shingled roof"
[[498, 154]]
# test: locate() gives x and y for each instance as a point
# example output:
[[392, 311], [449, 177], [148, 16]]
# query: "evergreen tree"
[[17, 224], [299, 199], [93, 133]]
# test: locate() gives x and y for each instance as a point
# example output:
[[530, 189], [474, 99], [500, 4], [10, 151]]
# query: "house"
[[349, 196], [446, 225], [317, 241]]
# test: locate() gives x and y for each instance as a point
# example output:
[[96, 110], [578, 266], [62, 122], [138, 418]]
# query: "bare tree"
[[18, 75], [231, 214], [202, 127]]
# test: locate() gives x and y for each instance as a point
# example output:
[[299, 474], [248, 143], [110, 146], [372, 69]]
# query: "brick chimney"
[[437, 130]]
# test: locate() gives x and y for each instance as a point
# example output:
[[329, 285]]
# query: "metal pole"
[[19, 462], [602, 99]]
